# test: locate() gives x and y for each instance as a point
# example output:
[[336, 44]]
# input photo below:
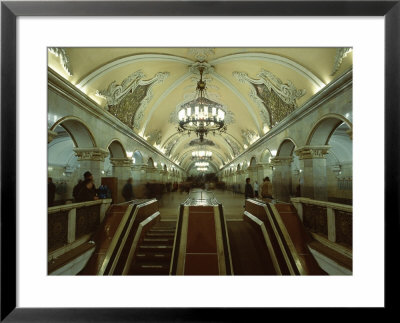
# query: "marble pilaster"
[[51, 135], [282, 177], [92, 159], [121, 170]]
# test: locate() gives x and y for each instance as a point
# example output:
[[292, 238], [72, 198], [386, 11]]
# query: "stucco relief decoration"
[[128, 100], [249, 136], [275, 99], [341, 53], [170, 145], [234, 146], [206, 142], [154, 137], [65, 61], [201, 53]]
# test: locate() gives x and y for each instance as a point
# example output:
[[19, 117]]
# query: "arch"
[[286, 148], [116, 149], [266, 156], [150, 163], [79, 132], [253, 161], [137, 157], [325, 127]]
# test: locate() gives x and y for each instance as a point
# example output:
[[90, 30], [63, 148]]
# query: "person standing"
[[248, 189], [266, 190], [51, 191], [255, 189], [87, 191], [127, 190]]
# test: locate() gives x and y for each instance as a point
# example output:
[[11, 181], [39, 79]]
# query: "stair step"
[[163, 247], [158, 255], [160, 234], [162, 230], [155, 240]]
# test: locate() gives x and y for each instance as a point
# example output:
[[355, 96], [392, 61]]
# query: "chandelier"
[[202, 164], [201, 115], [202, 169], [202, 155]]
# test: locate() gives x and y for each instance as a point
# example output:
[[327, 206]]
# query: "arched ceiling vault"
[[248, 82]]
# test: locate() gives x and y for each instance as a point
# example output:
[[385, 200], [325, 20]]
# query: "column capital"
[[121, 162], [312, 152], [281, 160], [51, 135], [94, 153]]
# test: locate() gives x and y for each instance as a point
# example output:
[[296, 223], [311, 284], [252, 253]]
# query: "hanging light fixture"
[[201, 115], [202, 155]]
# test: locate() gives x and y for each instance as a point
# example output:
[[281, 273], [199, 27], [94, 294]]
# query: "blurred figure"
[[127, 190], [51, 191], [87, 191], [266, 190], [255, 189], [248, 189]]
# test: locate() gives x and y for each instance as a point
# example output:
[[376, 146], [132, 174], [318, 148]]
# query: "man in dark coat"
[[127, 190], [248, 190]]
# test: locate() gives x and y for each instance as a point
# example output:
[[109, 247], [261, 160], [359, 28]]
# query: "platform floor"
[[232, 204]]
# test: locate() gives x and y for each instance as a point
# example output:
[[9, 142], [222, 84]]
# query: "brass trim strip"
[[289, 241], [138, 233], [220, 244], [180, 268], [280, 242], [114, 240], [267, 241]]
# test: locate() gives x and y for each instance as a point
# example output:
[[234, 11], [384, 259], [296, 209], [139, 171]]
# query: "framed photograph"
[[29, 29]]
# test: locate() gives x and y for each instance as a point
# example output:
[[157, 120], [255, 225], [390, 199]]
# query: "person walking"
[[127, 190], [266, 190], [87, 191], [248, 190]]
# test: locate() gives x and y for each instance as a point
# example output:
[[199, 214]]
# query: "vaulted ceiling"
[[144, 88]]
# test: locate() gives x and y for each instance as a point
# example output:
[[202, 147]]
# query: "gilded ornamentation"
[[121, 162], [65, 61], [275, 99], [281, 161], [340, 54], [128, 101]]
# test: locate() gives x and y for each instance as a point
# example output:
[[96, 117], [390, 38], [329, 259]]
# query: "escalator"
[[153, 253], [250, 255]]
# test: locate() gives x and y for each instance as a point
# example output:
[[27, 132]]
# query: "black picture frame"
[[10, 10]]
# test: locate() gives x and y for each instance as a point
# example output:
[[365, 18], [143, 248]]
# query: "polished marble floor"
[[232, 204]]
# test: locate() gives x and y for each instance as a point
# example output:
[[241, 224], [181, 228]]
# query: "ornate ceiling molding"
[[101, 71], [114, 94], [286, 92], [246, 104], [154, 137], [273, 59], [64, 58], [249, 136], [201, 53], [341, 53]]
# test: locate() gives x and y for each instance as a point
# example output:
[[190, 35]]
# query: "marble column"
[[121, 170], [92, 159], [313, 180], [281, 177], [139, 174]]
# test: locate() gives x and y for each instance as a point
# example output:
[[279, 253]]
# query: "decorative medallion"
[[154, 137]]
